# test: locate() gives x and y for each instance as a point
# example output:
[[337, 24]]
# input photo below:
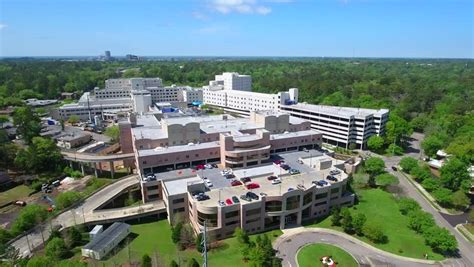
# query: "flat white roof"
[[180, 186], [172, 149], [341, 111]]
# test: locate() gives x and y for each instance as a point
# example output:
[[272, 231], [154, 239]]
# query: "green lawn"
[[15, 193], [381, 208], [470, 227], [309, 256], [155, 238]]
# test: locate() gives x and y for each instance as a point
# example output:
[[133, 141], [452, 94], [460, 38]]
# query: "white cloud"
[[200, 16], [3, 26], [240, 6]]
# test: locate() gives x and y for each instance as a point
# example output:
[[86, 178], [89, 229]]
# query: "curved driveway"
[[292, 240]]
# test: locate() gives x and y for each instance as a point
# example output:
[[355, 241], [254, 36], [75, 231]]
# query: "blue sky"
[[361, 28]]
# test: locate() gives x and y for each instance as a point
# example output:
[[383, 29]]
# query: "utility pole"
[[204, 245], [28, 242]]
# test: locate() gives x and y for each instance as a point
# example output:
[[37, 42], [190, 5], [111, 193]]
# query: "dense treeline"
[[435, 96]]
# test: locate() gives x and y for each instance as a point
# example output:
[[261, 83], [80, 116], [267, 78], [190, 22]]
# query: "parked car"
[[226, 172], [208, 183], [394, 168], [235, 183], [300, 161], [271, 178], [334, 172], [229, 176], [214, 165], [290, 189], [285, 167], [252, 195], [294, 171], [331, 178], [229, 201], [245, 179], [305, 149], [245, 197], [263, 194], [276, 181], [20, 203], [200, 167], [202, 197], [252, 186], [320, 183], [278, 162], [56, 183], [235, 199], [221, 203], [208, 166]]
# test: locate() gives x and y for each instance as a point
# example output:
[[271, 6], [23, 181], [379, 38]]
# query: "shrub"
[[56, 249], [406, 205], [440, 239], [336, 217], [29, 217], [193, 263], [421, 173], [408, 163], [385, 179], [374, 233], [460, 200], [358, 223], [420, 221], [67, 199], [443, 196], [431, 184], [146, 261]]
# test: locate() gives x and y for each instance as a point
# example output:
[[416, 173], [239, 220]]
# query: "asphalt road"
[[288, 246]]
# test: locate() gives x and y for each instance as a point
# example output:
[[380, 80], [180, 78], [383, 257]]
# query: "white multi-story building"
[[232, 81], [342, 126]]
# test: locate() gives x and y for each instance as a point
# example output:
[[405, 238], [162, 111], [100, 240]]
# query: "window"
[[179, 200], [334, 190], [211, 219], [231, 214], [253, 220], [253, 212], [273, 205], [178, 210], [321, 196], [293, 202], [320, 204], [231, 223], [307, 198]]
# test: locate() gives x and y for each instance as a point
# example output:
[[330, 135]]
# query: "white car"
[[221, 203], [208, 166], [225, 172], [276, 181], [208, 183]]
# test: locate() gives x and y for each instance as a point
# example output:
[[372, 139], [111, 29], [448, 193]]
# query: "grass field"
[[15, 193], [309, 256], [470, 227], [154, 238], [381, 208]]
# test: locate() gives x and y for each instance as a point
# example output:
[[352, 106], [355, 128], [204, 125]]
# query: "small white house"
[[104, 242], [96, 231]]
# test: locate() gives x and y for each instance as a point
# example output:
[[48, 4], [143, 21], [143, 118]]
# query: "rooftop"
[[342, 111], [179, 186], [172, 149], [108, 236]]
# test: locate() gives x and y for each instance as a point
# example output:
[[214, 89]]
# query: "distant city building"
[[130, 57], [108, 55], [38, 103], [73, 140]]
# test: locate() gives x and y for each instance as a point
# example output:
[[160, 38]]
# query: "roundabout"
[[320, 254]]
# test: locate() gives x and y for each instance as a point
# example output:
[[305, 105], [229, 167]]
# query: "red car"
[[271, 178], [235, 183], [200, 167], [278, 162], [252, 186], [229, 201]]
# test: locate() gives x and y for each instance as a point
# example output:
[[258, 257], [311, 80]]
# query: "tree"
[[336, 217], [3, 119], [56, 249], [431, 144], [66, 199], [146, 261], [4, 238], [40, 261], [346, 220], [405, 205], [394, 150], [421, 173], [460, 200], [41, 155], [72, 237], [186, 238], [8, 152], [193, 263], [29, 216], [420, 221], [419, 123], [374, 233], [440, 239], [431, 184], [241, 236], [114, 133], [176, 232], [453, 173], [443, 196], [397, 130], [174, 264], [358, 223], [375, 143], [374, 166], [408, 163], [73, 119], [386, 179], [27, 122], [198, 243]]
